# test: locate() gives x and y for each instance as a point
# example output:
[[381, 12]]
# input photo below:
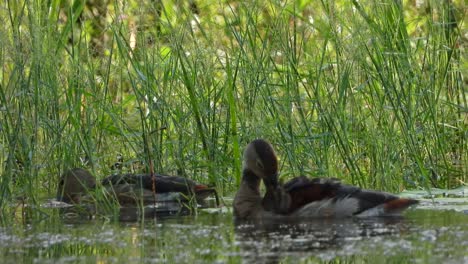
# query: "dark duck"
[[302, 196], [76, 185]]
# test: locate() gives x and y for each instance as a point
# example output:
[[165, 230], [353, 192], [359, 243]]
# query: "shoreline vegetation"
[[371, 92]]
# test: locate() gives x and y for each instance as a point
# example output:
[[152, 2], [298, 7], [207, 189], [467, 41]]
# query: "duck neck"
[[250, 180], [247, 202]]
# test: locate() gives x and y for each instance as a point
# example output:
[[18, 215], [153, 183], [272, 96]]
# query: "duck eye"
[[259, 164]]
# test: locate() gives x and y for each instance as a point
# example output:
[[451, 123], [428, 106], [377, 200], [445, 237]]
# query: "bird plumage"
[[303, 196]]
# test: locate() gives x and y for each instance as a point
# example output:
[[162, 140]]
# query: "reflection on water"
[[422, 236], [133, 213], [125, 214], [272, 238]]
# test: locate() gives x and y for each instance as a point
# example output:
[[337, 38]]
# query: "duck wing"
[[374, 203], [303, 191], [163, 184], [329, 197]]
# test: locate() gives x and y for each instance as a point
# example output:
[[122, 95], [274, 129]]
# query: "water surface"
[[421, 236]]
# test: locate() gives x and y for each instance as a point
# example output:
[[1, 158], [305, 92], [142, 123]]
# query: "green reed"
[[370, 92]]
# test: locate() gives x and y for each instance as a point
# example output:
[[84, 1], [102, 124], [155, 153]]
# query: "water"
[[421, 236]]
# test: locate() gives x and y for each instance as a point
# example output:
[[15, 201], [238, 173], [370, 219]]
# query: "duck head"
[[260, 159], [74, 184], [260, 162]]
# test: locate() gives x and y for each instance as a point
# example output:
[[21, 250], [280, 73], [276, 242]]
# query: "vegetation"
[[368, 91]]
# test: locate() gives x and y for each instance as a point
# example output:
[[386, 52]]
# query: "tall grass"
[[371, 91]]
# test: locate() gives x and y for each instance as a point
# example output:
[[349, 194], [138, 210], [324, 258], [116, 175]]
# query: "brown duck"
[[302, 196], [132, 189]]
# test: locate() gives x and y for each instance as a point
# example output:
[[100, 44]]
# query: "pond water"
[[422, 235]]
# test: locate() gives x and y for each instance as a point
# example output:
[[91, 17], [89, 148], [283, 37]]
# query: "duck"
[[303, 196], [76, 184]]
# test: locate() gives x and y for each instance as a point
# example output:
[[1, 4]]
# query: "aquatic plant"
[[371, 91]]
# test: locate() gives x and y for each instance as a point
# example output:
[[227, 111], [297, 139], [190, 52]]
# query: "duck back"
[[319, 197], [160, 183]]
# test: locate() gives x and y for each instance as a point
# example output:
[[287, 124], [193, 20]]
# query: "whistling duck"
[[75, 184], [301, 196], [129, 189]]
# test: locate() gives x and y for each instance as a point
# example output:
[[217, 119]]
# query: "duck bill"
[[271, 181]]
